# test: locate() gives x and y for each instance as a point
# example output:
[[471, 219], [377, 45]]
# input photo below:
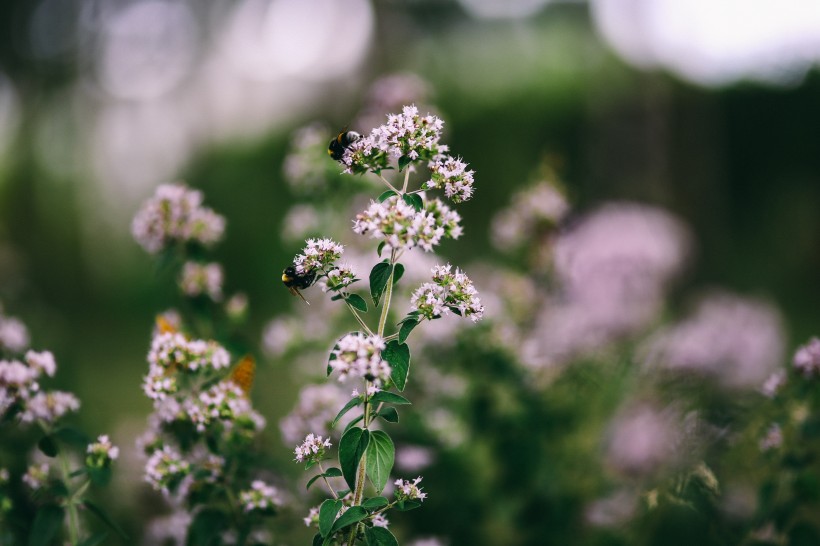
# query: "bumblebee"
[[336, 148], [295, 281]]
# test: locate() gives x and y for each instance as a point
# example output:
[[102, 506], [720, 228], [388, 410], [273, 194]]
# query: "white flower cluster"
[[400, 226], [340, 277], [404, 135], [448, 292], [359, 355], [165, 469], [312, 518], [170, 353], [318, 255], [451, 174], [13, 334], [101, 452], [175, 214], [807, 357], [19, 385], [313, 448], [260, 496], [409, 490], [225, 402], [36, 476], [198, 278]]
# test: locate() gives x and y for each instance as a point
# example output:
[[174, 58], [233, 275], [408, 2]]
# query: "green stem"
[[389, 185], [332, 491], [406, 179], [359, 319], [73, 516]]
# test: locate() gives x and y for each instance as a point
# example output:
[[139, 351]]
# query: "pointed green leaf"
[[355, 401], [385, 196], [389, 414], [318, 540], [404, 161], [414, 200], [375, 503], [357, 302], [353, 422], [46, 525], [407, 327], [398, 356], [398, 271], [379, 536], [380, 456], [380, 248], [104, 517], [72, 436], [351, 448], [389, 398], [333, 472], [313, 480], [327, 515], [352, 515], [48, 446], [379, 276]]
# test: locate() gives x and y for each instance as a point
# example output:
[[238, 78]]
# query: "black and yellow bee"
[[296, 281], [336, 148]]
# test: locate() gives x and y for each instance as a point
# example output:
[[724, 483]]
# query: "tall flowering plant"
[[200, 436], [64, 464], [376, 357]]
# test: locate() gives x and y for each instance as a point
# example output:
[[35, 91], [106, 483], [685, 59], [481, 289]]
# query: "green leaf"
[[379, 536], [337, 297], [357, 302], [385, 196], [407, 505], [389, 414], [104, 517], [380, 248], [353, 422], [46, 525], [398, 356], [94, 539], [380, 456], [414, 200], [72, 436], [313, 480], [355, 401], [327, 515], [379, 276], [407, 327], [48, 446], [404, 161], [375, 503], [351, 448], [352, 515], [389, 398], [398, 271], [317, 539], [100, 476], [207, 528], [333, 472]]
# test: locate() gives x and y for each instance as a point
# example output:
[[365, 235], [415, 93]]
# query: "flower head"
[[807, 357], [198, 279], [449, 291], [101, 453], [451, 174], [175, 214], [166, 468], [359, 355], [318, 255], [409, 490], [260, 497], [312, 449]]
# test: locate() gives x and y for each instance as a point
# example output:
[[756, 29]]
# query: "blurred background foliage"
[[100, 101]]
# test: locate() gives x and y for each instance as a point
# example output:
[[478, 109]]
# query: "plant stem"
[[73, 517], [406, 179], [389, 185], [359, 319], [332, 491]]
